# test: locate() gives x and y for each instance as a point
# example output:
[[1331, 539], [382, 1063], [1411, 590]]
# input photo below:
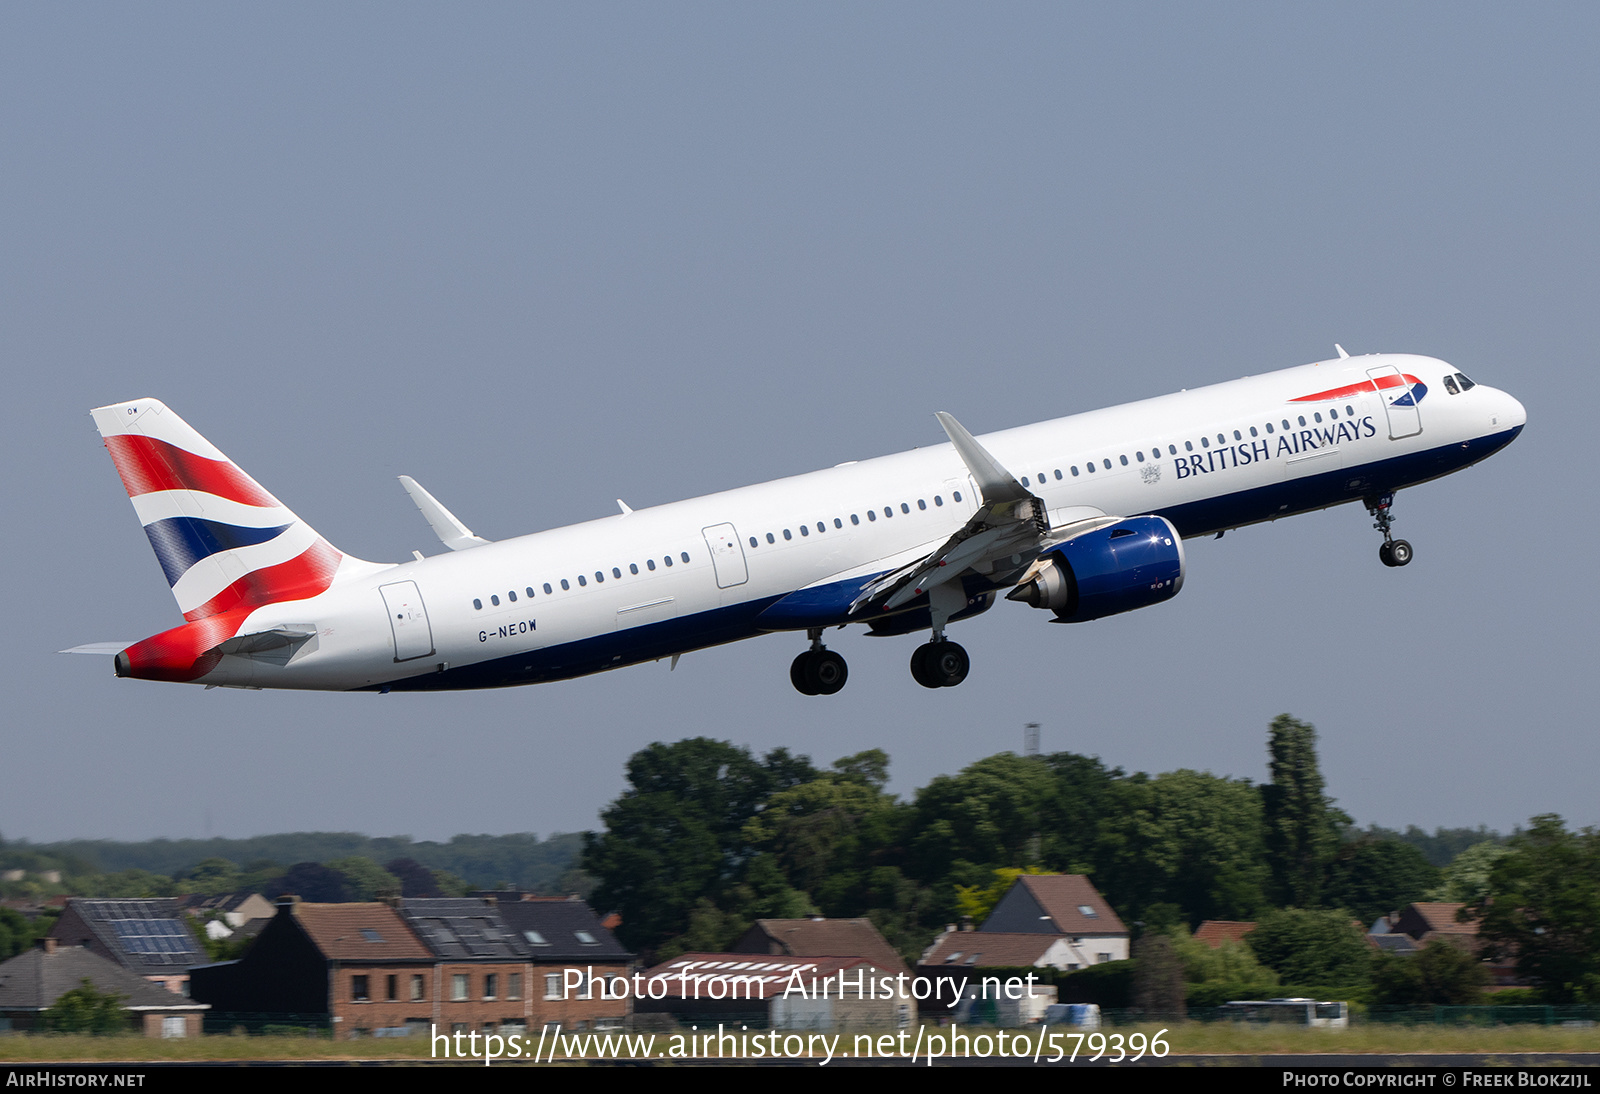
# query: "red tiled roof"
[[337, 931], [1214, 932], [1061, 895], [989, 949]]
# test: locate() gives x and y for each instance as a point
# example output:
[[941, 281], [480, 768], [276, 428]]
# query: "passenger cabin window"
[[477, 604], [564, 586], [684, 555], [495, 600], [582, 580], [547, 589], [650, 563]]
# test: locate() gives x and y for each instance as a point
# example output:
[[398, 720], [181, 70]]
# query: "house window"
[[358, 989], [418, 988], [392, 988], [458, 987], [1101, 958], [552, 985], [514, 985], [491, 981]]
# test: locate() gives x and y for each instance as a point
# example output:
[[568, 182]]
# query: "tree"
[[991, 814], [1158, 978], [311, 882], [1466, 879], [365, 879], [1306, 947], [86, 1009], [1302, 826], [1442, 974], [674, 838], [415, 879], [1185, 838], [1369, 877], [1543, 910]]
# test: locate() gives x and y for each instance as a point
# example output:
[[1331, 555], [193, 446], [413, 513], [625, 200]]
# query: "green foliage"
[[1306, 946], [211, 877], [1109, 984], [86, 1009], [993, 812], [16, 933], [1302, 826], [522, 858], [1466, 879], [1158, 978], [127, 885], [1370, 878], [365, 879], [1443, 846], [1232, 966], [1442, 973], [1543, 910], [1186, 838], [675, 837]]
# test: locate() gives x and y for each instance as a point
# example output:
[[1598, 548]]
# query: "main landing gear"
[[939, 664], [1394, 552], [818, 671]]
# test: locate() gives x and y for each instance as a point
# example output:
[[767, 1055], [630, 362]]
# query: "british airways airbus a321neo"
[[1080, 517]]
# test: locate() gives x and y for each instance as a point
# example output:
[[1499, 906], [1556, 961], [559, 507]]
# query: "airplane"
[[1081, 517]]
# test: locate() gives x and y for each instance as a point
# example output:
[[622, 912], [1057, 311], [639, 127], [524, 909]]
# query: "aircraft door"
[[1399, 402], [408, 618], [727, 555]]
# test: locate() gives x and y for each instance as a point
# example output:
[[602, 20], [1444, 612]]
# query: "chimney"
[[47, 944]]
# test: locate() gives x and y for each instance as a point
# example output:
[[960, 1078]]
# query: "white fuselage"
[[605, 595]]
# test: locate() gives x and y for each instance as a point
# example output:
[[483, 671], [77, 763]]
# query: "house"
[[1426, 921], [1062, 904], [386, 969], [781, 992], [567, 944], [149, 938], [818, 937], [32, 982]]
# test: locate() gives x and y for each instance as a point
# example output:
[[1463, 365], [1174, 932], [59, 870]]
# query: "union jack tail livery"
[[222, 541], [226, 545]]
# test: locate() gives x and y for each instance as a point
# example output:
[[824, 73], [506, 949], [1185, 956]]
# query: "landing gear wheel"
[[797, 675], [1383, 554], [950, 662], [919, 667], [939, 664], [825, 672], [1399, 553]]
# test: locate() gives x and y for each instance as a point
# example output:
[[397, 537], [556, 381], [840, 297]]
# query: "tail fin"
[[223, 541]]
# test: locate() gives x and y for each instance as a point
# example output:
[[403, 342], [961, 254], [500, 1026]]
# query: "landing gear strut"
[[1394, 552], [818, 671]]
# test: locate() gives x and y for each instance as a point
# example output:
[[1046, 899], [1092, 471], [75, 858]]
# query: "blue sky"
[[543, 256]]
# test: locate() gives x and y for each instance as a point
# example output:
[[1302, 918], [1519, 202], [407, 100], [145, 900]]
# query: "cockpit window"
[[1466, 384], [1450, 386]]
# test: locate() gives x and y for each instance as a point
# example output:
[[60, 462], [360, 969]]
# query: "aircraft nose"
[[1514, 413]]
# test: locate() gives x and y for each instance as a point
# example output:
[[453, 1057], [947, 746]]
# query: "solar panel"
[[153, 936]]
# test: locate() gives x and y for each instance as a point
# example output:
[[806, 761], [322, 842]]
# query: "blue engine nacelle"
[[1130, 564]]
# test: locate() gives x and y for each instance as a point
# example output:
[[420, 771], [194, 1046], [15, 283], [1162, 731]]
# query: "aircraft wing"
[[1010, 522]]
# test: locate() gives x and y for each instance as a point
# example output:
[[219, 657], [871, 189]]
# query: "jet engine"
[[1130, 564]]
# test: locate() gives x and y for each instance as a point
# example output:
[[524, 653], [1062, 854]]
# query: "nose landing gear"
[[1393, 552], [818, 671]]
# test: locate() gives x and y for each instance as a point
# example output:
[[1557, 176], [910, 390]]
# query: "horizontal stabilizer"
[[106, 649], [451, 532]]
